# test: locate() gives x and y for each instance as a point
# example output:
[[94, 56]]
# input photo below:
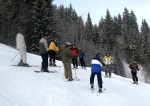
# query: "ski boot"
[[20, 63], [134, 82], [25, 64], [45, 70], [99, 91], [54, 64], [70, 79], [92, 86], [106, 76], [50, 64]]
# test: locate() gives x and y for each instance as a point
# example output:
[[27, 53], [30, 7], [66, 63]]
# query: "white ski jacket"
[[20, 42]]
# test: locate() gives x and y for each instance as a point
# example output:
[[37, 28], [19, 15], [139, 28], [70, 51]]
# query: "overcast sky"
[[97, 8]]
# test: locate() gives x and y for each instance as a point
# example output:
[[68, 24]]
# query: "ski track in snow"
[[21, 86]]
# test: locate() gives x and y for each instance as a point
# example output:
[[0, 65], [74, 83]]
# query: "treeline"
[[120, 35]]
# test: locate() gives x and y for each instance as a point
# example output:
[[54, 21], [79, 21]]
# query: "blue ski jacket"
[[96, 65], [81, 54]]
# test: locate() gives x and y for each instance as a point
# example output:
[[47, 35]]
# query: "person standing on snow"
[[81, 58], [108, 60], [96, 68], [43, 51], [74, 52], [134, 67], [21, 46], [66, 59], [52, 51]]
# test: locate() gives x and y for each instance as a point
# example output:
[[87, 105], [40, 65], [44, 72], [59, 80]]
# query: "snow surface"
[[21, 86]]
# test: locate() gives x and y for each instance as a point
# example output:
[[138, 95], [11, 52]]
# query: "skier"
[[21, 46], [108, 60], [96, 68], [134, 67], [74, 53], [66, 59], [52, 51], [43, 51], [81, 58]]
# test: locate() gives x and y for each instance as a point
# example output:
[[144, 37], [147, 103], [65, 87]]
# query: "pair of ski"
[[97, 93], [26, 65], [22, 65], [54, 71], [76, 79]]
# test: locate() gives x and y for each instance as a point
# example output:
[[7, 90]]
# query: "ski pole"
[[14, 56], [75, 74]]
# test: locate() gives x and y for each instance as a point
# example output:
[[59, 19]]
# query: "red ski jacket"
[[74, 52]]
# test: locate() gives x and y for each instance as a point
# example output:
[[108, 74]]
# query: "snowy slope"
[[20, 86]]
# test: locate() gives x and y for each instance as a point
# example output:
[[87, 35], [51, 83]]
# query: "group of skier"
[[71, 54], [77, 54]]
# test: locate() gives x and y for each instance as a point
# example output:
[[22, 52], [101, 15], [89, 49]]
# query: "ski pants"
[[52, 55], [108, 69], [99, 79], [75, 61], [67, 68], [44, 61], [82, 62], [23, 55], [134, 76]]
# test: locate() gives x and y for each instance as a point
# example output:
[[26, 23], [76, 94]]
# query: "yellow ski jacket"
[[53, 46], [108, 60]]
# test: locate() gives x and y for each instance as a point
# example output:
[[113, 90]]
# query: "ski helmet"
[[68, 43]]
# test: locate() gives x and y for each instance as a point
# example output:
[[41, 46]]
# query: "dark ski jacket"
[[134, 67], [81, 54], [66, 55]]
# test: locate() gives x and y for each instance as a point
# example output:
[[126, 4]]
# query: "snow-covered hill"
[[21, 86]]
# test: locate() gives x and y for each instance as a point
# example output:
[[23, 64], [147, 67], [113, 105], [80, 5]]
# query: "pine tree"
[[96, 37], [10, 20], [59, 15], [131, 34], [118, 52], [88, 28], [101, 32], [126, 27], [108, 32], [73, 23], [147, 47], [145, 38], [42, 22], [117, 27], [80, 31], [134, 28]]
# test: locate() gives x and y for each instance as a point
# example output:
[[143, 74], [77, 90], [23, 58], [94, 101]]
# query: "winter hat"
[[80, 48], [134, 61], [98, 55], [20, 29], [68, 43], [108, 53]]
